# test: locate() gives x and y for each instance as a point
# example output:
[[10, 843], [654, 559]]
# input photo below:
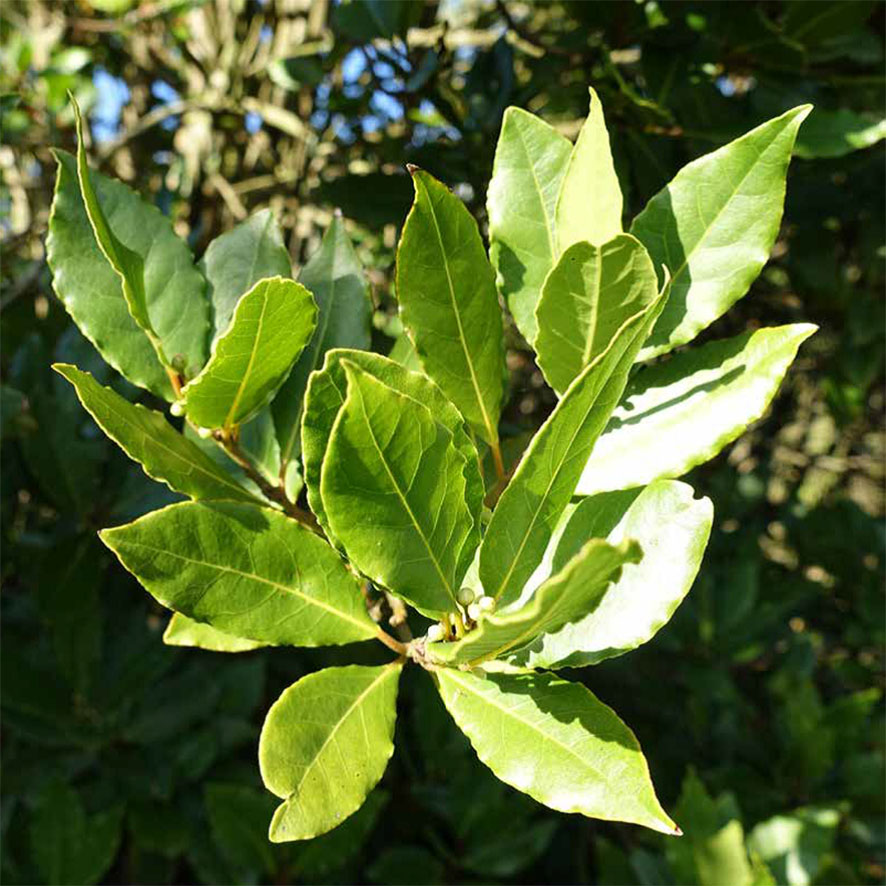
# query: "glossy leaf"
[[91, 291], [589, 205], [184, 631], [146, 437], [245, 570], [555, 741], [672, 528], [326, 393], [714, 225], [589, 294], [271, 325], [545, 479], [393, 487], [562, 600], [334, 276], [682, 413], [236, 260], [530, 161], [128, 265], [449, 305], [325, 745]]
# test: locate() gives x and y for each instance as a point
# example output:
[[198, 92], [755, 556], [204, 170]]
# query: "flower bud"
[[204, 433], [465, 596], [177, 408], [486, 604], [474, 611], [435, 633]]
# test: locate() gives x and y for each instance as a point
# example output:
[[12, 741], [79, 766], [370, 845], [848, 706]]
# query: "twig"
[[391, 643], [275, 493]]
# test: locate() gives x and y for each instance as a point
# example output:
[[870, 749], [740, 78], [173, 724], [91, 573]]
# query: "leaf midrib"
[[403, 500], [313, 601], [248, 371], [454, 675], [549, 220], [556, 473], [347, 713], [470, 364], [722, 209], [595, 307]]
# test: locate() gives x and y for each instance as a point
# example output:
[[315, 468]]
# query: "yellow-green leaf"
[[587, 296], [270, 327], [325, 744], [555, 741], [530, 161], [589, 205]]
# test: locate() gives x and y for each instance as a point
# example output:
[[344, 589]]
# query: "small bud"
[[474, 612], [204, 433], [177, 408], [465, 596], [486, 604], [435, 633]]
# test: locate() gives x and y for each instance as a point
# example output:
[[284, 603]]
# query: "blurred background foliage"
[[760, 707]]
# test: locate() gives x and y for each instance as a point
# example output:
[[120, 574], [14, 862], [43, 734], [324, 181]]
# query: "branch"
[[273, 493]]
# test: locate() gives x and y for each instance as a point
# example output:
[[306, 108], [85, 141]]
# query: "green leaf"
[[314, 861], [67, 589], [530, 161], [326, 393], [681, 413], [393, 487], [555, 741], [586, 298], [91, 291], [714, 225], [567, 597], [325, 744], [335, 277], [672, 528], [403, 353], [258, 440], [146, 437], [127, 264], [589, 205], [795, 845], [545, 479], [448, 302], [236, 260], [713, 850], [837, 133], [184, 631], [238, 817], [245, 570], [271, 325], [67, 845]]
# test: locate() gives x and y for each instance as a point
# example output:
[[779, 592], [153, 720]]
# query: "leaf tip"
[[412, 169]]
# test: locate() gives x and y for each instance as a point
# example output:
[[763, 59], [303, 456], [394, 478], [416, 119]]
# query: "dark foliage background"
[[760, 706]]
